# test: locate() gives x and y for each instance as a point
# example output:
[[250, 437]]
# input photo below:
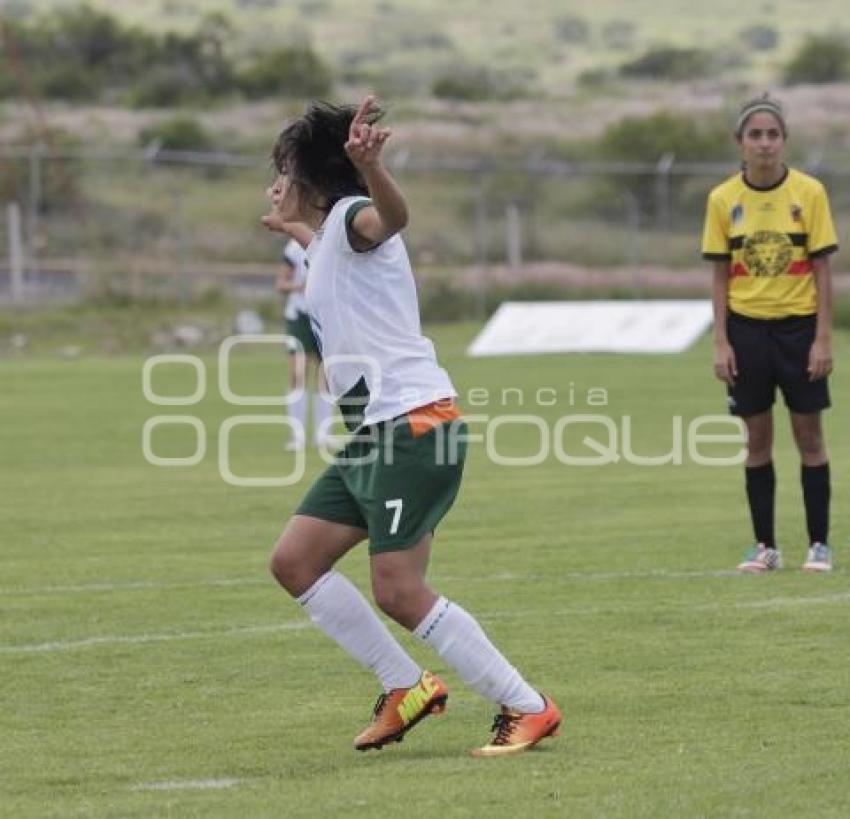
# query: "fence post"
[[34, 209], [16, 252], [513, 236], [481, 244], [633, 215], [662, 190], [183, 284]]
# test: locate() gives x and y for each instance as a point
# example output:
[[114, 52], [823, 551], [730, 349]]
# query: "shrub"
[[820, 59], [425, 39], [164, 86], [472, 83], [619, 34], [178, 134], [295, 71], [572, 29], [92, 48], [759, 37], [69, 82], [647, 139], [669, 63], [196, 63], [80, 53], [468, 84], [594, 79]]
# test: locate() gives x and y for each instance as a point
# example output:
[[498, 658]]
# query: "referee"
[[769, 233]]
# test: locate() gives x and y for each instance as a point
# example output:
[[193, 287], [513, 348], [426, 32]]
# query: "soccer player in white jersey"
[[303, 348], [401, 471]]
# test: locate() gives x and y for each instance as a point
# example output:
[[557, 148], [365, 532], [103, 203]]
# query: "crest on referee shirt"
[[767, 253]]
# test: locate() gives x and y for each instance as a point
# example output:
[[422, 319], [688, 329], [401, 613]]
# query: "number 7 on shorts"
[[395, 505]]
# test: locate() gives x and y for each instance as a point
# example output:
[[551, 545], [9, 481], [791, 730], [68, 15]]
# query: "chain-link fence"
[[182, 225]]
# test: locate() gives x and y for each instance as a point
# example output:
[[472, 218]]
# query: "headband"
[[762, 104]]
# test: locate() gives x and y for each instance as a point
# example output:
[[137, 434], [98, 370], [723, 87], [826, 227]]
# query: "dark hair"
[[311, 152], [764, 103]]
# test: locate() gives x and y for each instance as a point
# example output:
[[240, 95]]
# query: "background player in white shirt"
[[304, 355]]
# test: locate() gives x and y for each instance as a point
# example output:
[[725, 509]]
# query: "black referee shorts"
[[773, 353]]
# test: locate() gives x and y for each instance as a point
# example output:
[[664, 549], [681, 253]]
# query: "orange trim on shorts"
[[423, 419]]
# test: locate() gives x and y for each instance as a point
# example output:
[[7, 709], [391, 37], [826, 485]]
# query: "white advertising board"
[[530, 328]]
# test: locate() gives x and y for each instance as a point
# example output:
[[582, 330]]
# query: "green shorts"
[[392, 483], [299, 328]]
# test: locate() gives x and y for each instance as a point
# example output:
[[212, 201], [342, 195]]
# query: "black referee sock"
[[816, 494], [761, 488]]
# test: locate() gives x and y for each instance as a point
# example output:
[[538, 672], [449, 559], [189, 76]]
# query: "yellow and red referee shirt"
[[770, 235]]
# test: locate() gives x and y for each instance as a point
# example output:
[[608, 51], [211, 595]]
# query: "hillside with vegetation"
[[476, 49], [592, 133]]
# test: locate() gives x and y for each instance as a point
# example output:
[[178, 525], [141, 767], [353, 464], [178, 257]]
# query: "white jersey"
[[365, 316], [296, 256]]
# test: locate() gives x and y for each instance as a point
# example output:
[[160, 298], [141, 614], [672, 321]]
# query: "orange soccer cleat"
[[399, 710], [516, 732]]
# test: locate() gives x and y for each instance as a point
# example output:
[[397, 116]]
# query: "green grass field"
[[150, 667]]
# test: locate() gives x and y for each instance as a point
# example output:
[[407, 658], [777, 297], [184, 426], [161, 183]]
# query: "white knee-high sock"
[[338, 608], [297, 411], [456, 636], [323, 408]]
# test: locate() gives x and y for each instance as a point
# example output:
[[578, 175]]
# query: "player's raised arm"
[[388, 214]]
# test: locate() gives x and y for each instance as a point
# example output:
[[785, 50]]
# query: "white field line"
[[259, 580], [299, 625], [88, 588], [656, 574], [188, 785], [627, 608], [142, 639], [652, 574], [790, 602]]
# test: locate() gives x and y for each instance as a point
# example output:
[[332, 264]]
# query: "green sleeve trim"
[[351, 234]]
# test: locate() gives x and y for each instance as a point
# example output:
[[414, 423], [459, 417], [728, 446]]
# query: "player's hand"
[[274, 221], [725, 366], [365, 141], [820, 360]]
